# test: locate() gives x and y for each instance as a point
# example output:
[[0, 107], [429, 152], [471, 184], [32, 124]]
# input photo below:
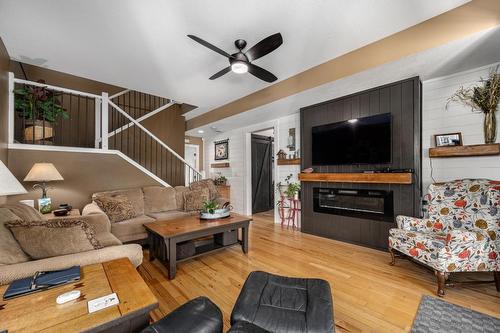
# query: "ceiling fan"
[[240, 62]]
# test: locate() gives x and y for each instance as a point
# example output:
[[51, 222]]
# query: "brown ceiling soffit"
[[473, 17]]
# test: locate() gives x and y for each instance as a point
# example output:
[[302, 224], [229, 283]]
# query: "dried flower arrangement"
[[483, 98]]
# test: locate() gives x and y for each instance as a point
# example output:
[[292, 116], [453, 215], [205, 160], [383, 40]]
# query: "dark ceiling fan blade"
[[210, 46], [265, 46], [261, 73], [220, 73]]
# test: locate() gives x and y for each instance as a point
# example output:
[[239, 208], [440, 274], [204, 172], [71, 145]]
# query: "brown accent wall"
[[4, 100], [168, 126], [35, 73], [473, 17], [193, 140], [83, 173]]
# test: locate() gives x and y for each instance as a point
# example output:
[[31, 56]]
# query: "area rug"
[[437, 316]]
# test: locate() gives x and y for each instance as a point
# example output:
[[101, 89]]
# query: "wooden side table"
[[73, 212], [224, 191]]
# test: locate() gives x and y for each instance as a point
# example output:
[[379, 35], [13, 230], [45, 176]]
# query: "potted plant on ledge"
[[41, 109], [483, 98]]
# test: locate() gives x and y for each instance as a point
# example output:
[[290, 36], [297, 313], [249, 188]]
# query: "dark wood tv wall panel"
[[403, 100]]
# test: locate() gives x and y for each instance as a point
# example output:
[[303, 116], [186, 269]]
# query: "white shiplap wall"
[[238, 174], [282, 171], [436, 119]]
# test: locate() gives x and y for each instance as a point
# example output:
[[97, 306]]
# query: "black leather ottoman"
[[275, 303], [199, 315]]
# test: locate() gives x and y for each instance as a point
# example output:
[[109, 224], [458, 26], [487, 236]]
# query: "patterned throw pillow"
[[194, 199], [208, 184], [117, 208], [45, 239]]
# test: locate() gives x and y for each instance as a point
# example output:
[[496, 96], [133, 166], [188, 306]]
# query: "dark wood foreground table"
[[39, 312], [163, 236]]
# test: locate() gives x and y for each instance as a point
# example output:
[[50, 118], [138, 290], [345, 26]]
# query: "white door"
[[191, 157]]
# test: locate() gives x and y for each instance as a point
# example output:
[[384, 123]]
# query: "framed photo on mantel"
[[448, 139], [221, 150]]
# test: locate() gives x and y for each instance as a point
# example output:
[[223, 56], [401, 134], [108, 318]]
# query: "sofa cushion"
[[208, 184], [172, 214], [132, 229], [117, 208], [44, 239], [194, 199], [9, 273], [159, 199], [135, 196], [10, 250], [25, 212], [179, 196]]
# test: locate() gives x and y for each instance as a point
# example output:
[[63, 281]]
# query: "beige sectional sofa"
[[15, 264], [151, 204]]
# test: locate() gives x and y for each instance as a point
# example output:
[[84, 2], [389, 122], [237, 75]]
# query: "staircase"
[[68, 119]]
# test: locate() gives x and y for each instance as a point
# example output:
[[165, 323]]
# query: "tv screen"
[[357, 141]]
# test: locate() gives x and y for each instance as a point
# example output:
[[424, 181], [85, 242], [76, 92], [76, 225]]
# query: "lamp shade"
[[9, 185], [43, 172]]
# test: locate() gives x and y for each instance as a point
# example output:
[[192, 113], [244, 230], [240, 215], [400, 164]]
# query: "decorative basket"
[[218, 214]]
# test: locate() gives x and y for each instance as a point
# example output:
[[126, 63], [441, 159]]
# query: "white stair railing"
[[112, 128]]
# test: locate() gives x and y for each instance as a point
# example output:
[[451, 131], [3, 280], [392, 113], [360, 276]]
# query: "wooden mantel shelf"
[[366, 178], [463, 151], [289, 161]]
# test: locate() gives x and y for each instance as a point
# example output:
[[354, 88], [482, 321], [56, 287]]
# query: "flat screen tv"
[[357, 141]]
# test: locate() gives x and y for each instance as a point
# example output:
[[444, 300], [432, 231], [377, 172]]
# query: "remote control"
[[69, 296]]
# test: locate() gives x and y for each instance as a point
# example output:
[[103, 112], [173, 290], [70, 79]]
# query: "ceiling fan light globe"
[[239, 67]]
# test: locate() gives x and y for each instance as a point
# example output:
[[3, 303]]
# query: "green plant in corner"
[[483, 98], [210, 206], [292, 190]]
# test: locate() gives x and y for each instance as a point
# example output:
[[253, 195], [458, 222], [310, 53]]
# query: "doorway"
[[191, 156], [262, 151]]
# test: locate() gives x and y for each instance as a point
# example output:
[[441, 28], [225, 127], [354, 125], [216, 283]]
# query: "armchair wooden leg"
[[393, 257], [497, 280], [441, 280]]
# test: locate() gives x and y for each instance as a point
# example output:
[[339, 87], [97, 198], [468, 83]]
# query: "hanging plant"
[[483, 98]]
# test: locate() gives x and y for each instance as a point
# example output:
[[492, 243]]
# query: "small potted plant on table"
[[212, 211]]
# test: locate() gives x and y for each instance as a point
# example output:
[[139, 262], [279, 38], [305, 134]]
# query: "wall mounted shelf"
[[291, 161], [365, 178], [464, 151], [220, 165]]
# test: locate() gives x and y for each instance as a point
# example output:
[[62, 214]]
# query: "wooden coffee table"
[[39, 311], [164, 236]]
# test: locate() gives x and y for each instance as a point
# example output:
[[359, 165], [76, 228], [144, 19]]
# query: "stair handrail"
[[154, 137]]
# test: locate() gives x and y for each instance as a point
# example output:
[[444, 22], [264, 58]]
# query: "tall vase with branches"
[[482, 98]]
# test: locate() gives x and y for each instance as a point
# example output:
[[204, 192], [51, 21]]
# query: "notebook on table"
[[41, 281]]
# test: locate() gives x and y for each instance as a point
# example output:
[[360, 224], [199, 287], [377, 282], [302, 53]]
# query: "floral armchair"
[[461, 232]]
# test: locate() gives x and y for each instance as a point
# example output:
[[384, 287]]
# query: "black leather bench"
[[199, 315], [267, 303], [276, 303]]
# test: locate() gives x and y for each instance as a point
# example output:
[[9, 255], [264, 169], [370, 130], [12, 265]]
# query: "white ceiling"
[[478, 50], [142, 45]]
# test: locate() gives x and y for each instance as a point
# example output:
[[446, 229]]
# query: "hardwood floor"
[[368, 294]]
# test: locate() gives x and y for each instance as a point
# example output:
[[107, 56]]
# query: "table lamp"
[[9, 185], [43, 172]]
